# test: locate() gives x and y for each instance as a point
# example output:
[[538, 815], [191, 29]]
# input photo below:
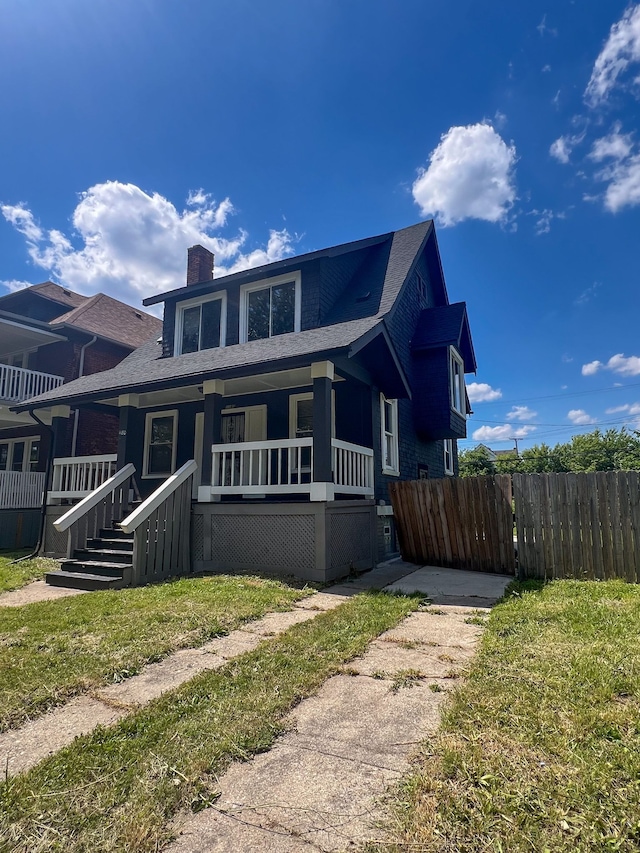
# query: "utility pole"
[[516, 440]]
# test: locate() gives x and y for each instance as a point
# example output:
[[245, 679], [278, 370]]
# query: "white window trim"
[[454, 356], [308, 395], [447, 449], [246, 289], [173, 413], [395, 469], [246, 411], [191, 303], [26, 459]]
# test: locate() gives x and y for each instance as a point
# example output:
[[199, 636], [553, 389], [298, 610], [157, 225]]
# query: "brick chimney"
[[199, 265]]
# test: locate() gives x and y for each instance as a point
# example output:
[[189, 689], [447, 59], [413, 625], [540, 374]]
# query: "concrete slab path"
[[36, 591], [318, 788]]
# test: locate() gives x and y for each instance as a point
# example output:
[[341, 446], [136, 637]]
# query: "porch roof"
[[145, 370]]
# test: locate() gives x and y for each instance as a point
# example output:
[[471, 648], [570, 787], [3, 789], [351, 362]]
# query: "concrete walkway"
[[36, 591], [318, 787]]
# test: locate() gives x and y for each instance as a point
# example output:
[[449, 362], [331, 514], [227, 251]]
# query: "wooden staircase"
[[105, 563]]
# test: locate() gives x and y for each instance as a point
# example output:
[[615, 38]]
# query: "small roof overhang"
[[16, 335]]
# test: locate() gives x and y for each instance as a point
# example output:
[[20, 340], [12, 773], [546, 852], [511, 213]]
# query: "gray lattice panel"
[[55, 541], [282, 543], [350, 538], [197, 538]]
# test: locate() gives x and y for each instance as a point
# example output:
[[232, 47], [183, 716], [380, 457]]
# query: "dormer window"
[[270, 308], [200, 323]]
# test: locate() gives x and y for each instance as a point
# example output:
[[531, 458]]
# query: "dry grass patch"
[[51, 650], [540, 748], [15, 575]]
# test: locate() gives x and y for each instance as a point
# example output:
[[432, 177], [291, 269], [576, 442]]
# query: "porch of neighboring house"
[[22, 482], [273, 472]]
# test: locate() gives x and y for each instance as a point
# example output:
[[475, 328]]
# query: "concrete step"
[[85, 580]]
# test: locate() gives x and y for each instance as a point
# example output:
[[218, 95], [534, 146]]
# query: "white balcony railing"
[[18, 383], [21, 489], [77, 476], [286, 466]]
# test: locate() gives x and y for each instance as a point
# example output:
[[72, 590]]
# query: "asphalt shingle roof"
[[387, 269], [109, 318]]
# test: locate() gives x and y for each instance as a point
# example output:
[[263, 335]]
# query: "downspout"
[[47, 486], [76, 414]]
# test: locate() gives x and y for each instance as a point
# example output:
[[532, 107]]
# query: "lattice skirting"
[[314, 541]]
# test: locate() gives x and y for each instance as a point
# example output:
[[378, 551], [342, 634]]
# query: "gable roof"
[[446, 325], [111, 319], [386, 270]]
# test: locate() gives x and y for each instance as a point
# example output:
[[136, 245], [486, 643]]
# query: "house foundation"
[[315, 541]]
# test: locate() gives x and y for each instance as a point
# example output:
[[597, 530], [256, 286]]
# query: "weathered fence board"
[[578, 525], [460, 523], [584, 525]]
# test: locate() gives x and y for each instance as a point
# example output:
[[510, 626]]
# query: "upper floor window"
[[389, 435], [422, 289], [200, 323], [270, 308], [456, 379]]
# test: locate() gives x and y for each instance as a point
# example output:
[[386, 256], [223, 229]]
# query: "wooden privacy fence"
[[549, 525], [578, 525], [460, 523]]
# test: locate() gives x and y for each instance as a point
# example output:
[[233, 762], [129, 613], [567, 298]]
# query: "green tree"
[[475, 463]]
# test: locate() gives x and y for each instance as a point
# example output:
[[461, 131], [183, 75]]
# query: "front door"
[[242, 425]]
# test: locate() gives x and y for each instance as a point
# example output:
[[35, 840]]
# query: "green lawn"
[[52, 650], [117, 789], [540, 748], [17, 575]]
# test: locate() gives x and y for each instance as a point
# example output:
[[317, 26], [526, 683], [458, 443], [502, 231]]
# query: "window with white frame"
[[389, 435], [19, 454], [201, 323], [160, 438], [448, 456], [270, 308], [456, 379]]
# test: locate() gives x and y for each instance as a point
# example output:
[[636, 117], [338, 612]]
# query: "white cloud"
[[521, 413], [619, 363], [544, 220], [580, 417], [624, 184], [563, 146], [630, 408], [133, 244], [14, 284], [591, 368], [620, 50], [470, 176], [587, 294], [506, 432], [546, 69], [614, 145], [481, 392]]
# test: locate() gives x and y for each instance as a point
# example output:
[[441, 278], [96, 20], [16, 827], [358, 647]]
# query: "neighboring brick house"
[[301, 388], [50, 335]]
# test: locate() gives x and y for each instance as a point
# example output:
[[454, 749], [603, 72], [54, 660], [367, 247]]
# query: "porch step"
[[122, 546], [113, 559], [96, 566], [85, 580], [114, 533]]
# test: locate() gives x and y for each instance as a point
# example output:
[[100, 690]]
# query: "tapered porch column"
[[130, 439], [213, 393], [59, 425], [322, 487]]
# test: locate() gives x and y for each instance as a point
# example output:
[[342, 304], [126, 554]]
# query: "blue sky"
[[131, 130]]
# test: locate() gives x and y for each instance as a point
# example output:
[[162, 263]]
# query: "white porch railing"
[[76, 476], [21, 489], [285, 466], [20, 383], [352, 468]]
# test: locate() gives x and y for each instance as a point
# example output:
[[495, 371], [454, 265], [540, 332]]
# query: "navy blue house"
[[301, 389]]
